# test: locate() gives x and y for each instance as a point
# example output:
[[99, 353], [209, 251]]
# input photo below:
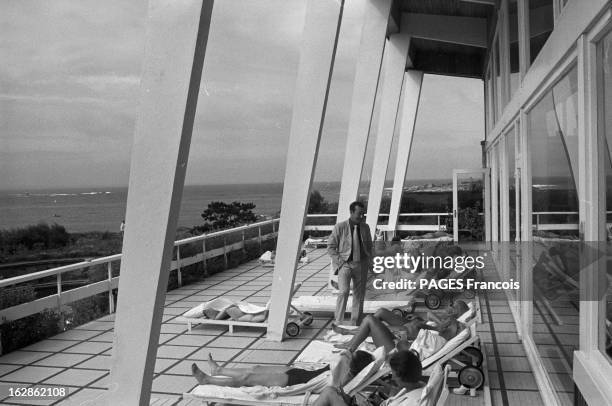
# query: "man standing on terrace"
[[350, 249]]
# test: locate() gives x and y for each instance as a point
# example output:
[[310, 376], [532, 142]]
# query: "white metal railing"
[[420, 227], [110, 283], [435, 226], [399, 227], [537, 224]]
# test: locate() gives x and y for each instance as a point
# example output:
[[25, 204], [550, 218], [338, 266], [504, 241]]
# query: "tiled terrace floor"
[[80, 358]]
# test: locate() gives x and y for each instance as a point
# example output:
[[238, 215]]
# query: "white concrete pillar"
[[176, 38], [320, 39], [394, 66], [413, 81], [373, 34]]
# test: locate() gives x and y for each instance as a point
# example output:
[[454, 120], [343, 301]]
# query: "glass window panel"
[[513, 28], [498, 191], [552, 132], [512, 262], [498, 80], [511, 183], [604, 63], [489, 102], [541, 23], [428, 184]]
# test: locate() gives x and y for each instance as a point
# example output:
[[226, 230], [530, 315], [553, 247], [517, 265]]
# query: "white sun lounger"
[[316, 242], [435, 393], [267, 260], [195, 316], [302, 394], [328, 304], [466, 338]]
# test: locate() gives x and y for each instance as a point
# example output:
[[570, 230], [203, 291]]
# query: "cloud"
[[108, 81], [69, 93]]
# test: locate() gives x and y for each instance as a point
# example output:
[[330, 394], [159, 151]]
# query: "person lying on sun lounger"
[[406, 372], [436, 318], [427, 337], [349, 365]]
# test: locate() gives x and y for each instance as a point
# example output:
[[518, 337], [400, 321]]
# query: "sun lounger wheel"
[[474, 356], [292, 329], [308, 318], [432, 301], [471, 377]]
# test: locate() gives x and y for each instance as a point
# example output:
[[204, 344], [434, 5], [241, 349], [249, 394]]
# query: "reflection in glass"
[[514, 45], [512, 260], [470, 201], [490, 104], [605, 120], [511, 183], [498, 79], [552, 126], [541, 23]]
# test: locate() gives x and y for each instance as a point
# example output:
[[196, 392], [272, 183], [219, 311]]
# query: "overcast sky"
[[69, 96]]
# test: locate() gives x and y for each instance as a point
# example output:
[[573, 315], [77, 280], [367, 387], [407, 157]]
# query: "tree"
[[317, 203], [221, 215]]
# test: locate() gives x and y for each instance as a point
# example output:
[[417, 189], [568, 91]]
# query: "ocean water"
[[102, 209]]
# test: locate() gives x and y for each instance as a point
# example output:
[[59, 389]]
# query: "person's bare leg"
[[216, 370], [342, 330], [204, 379], [433, 317], [330, 397], [241, 373], [241, 379], [390, 317], [373, 327], [359, 335]]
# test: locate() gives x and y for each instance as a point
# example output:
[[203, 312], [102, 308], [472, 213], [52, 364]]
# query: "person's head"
[[357, 211], [460, 307], [359, 361], [406, 367]]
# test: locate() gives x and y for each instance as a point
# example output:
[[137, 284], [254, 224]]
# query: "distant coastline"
[[103, 208]]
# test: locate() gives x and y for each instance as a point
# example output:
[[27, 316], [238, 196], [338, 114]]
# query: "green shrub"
[[39, 236], [20, 333]]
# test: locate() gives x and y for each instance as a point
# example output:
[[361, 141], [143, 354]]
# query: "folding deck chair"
[[463, 352]]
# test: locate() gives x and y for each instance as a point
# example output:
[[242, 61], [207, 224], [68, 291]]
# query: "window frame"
[[592, 370]]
